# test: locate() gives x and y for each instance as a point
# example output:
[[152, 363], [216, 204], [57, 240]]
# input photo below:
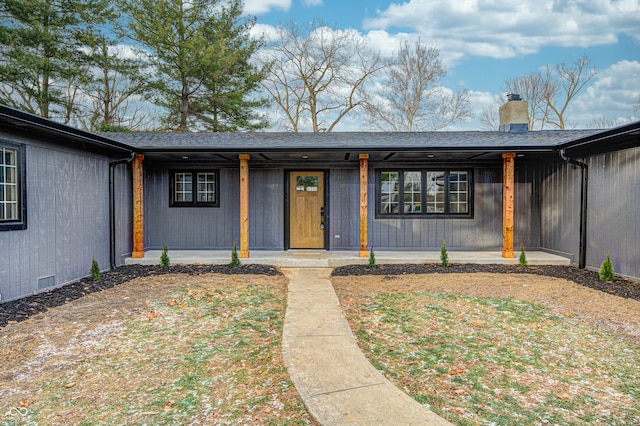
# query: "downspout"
[[112, 209], [582, 261]]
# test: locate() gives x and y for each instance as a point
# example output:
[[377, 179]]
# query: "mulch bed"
[[21, 309], [620, 287]]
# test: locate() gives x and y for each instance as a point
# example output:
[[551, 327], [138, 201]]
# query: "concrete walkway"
[[336, 382]]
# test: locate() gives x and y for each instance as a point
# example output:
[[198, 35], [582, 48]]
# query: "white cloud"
[[258, 7], [269, 32], [503, 28], [612, 95], [311, 3]]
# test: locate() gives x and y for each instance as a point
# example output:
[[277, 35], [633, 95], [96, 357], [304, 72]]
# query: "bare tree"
[[317, 75], [531, 87], [562, 85], [489, 116], [548, 94], [412, 98], [114, 89]]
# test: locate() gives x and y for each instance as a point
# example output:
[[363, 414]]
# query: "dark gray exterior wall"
[[613, 214], [482, 232], [613, 220], [344, 205], [123, 203], [215, 228], [67, 220], [560, 209]]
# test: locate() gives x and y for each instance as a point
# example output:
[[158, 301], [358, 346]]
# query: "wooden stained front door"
[[306, 210]]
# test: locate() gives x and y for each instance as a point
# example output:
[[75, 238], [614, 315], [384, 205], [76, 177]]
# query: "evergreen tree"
[[200, 51], [116, 80], [444, 256], [522, 260], [235, 260], [43, 62], [606, 270]]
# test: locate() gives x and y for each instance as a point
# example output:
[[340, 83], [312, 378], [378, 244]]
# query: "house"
[[70, 195]]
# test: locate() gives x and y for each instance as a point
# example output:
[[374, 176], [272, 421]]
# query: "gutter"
[[112, 208], [583, 206]]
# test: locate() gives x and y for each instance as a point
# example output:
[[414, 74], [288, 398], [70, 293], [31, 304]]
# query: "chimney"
[[514, 115]]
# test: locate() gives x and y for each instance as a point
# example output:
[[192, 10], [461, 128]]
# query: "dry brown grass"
[[173, 349], [501, 349]]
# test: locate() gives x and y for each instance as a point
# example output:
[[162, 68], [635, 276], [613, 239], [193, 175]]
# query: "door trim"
[[287, 214]]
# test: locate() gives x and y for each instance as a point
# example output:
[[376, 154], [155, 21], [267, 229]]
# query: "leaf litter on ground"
[[494, 349], [169, 349]]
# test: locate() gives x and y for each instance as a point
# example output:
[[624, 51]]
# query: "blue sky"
[[486, 42]]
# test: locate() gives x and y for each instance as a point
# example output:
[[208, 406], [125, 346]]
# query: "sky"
[[483, 43]]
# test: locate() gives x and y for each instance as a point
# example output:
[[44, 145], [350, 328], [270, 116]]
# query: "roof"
[[346, 141], [457, 145], [21, 121]]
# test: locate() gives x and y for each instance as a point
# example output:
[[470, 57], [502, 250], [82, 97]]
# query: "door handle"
[[321, 217]]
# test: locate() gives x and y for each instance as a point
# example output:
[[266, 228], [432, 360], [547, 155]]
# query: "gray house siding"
[[344, 204], [527, 207], [560, 209], [482, 232], [613, 213], [123, 202], [67, 220], [215, 228], [613, 218]]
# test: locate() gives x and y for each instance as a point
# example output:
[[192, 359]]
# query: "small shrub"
[[372, 259], [522, 261], [235, 260], [95, 269], [164, 257], [444, 256], [606, 270]]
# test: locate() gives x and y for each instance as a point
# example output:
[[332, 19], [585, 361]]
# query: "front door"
[[306, 210]]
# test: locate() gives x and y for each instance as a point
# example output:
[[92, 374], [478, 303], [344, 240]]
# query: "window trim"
[[423, 214], [194, 201], [21, 222]]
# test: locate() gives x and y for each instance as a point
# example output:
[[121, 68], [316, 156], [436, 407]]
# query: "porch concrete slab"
[[333, 259], [336, 382]]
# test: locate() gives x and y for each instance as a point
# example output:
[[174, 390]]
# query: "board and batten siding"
[[344, 205], [214, 228], [67, 221], [482, 232], [613, 212], [123, 202]]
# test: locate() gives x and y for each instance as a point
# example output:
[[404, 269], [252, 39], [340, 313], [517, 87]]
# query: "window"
[[194, 188], [424, 193], [12, 178]]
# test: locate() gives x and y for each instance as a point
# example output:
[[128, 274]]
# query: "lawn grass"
[[208, 353], [484, 360]]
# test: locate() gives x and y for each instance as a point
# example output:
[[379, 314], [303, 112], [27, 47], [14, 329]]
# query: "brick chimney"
[[514, 115]]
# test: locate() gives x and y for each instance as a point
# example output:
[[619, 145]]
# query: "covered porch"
[[332, 259]]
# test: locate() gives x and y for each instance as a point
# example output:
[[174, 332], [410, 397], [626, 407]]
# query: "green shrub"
[[522, 261], [95, 269], [235, 260], [444, 256], [606, 270], [164, 257], [372, 259]]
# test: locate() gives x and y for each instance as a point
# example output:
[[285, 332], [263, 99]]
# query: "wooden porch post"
[[244, 205], [364, 219], [138, 207], [508, 164]]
